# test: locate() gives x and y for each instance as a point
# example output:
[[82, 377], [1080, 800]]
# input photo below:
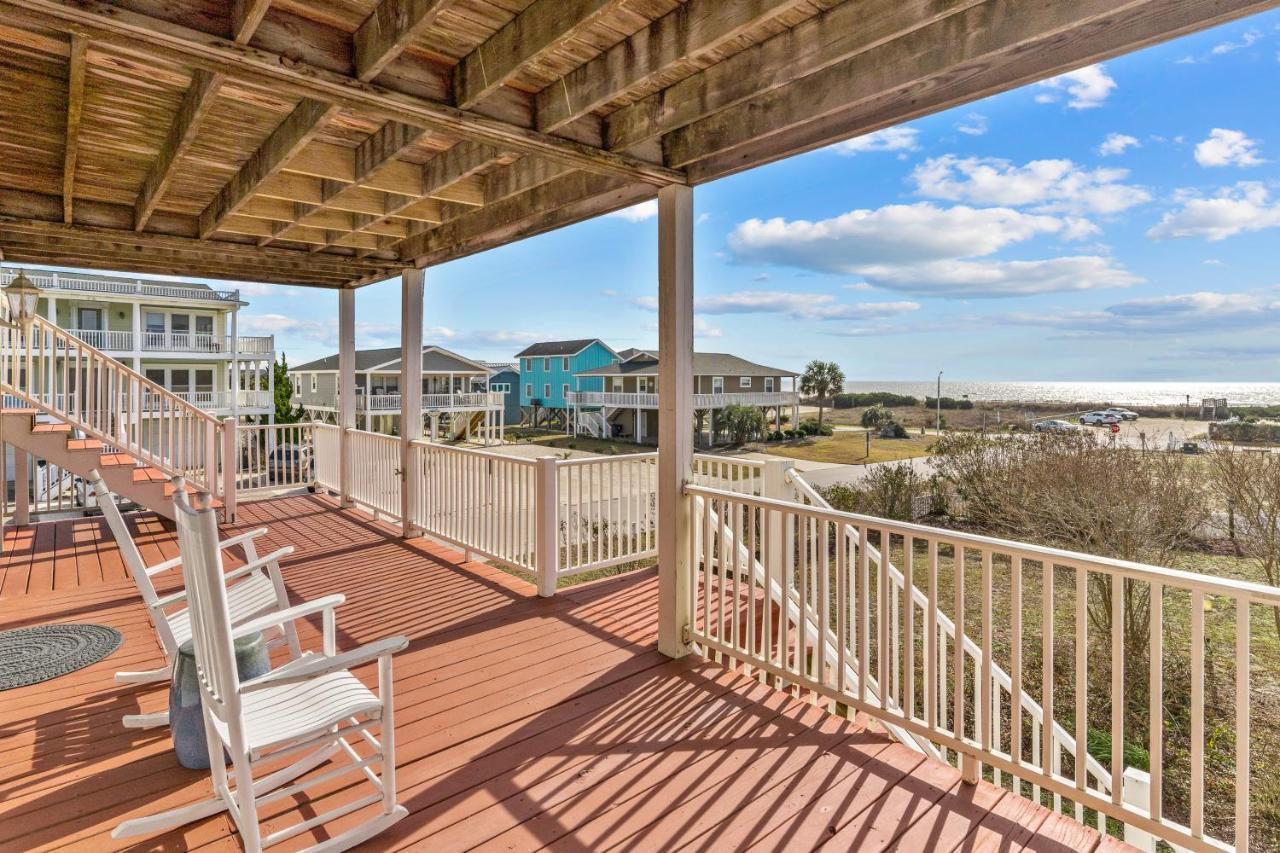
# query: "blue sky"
[[1121, 222]]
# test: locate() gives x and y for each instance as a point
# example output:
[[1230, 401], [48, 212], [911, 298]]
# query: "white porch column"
[[411, 281], [271, 387], [346, 388], [235, 364], [675, 416]]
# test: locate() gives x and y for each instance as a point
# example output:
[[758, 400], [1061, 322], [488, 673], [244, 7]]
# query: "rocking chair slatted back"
[[210, 617]]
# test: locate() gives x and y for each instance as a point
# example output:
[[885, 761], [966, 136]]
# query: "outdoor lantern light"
[[22, 295]]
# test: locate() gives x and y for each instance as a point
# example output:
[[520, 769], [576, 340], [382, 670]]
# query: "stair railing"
[[48, 368]]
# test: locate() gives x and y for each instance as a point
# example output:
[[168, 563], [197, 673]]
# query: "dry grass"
[[850, 448]]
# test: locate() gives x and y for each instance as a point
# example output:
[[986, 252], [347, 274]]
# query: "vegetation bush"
[[811, 426], [776, 435], [741, 423], [873, 398], [948, 403], [893, 429], [876, 416], [888, 491]]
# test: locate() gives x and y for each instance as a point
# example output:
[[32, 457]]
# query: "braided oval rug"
[[32, 655]]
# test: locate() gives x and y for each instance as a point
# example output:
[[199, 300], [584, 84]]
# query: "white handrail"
[[52, 370]]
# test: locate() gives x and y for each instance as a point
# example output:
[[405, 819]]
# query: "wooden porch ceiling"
[[333, 142]]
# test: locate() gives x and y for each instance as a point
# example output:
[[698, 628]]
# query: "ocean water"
[[1115, 393]]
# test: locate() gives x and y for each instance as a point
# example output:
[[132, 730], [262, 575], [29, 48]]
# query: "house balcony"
[[520, 722], [221, 401], [176, 343], [624, 400], [109, 286], [389, 404]]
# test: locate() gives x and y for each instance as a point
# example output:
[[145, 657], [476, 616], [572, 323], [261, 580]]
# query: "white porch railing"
[[121, 287], [222, 400], [934, 689], [606, 511], [624, 400], [192, 342], [390, 403], [275, 456], [103, 339]]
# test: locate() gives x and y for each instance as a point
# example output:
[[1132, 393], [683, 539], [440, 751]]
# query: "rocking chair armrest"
[[289, 614], [261, 563], [235, 574], [323, 665], [231, 542]]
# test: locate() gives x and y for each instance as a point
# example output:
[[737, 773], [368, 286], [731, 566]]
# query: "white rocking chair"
[[308, 706], [252, 590]]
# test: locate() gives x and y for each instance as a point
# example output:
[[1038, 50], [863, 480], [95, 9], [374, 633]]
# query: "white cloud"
[[1085, 88], [703, 329], [1203, 311], [638, 212], [798, 305], [889, 139], [987, 278], [1248, 39], [1228, 148], [1048, 185], [974, 124], [1116, 143], [1247, 206], [609, 292], [924, 249]]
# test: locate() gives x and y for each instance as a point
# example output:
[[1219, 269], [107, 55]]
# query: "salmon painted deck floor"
[[521, 722]]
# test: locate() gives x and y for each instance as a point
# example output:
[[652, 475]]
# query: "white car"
[[1054, 426], [1099, 418], [1123, 414]]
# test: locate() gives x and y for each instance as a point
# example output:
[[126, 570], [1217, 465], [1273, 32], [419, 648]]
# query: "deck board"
[[521, 722]]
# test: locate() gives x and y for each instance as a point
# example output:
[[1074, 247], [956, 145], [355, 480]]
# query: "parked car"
[[1054, 426], [289, 464], [1099, 418], [1124, 414]]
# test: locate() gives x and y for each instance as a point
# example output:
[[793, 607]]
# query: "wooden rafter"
[[541, 27], [687, 32], [286, 140], [392, 27], [76, 66], [246, 15], [139, 34], [999, 34], [196, 103]]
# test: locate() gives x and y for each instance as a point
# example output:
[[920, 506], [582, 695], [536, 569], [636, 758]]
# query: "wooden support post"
[[773, 484], [346, 389], [230, 462], [411, 284], [675, 414], [547, 551], [21, 487]]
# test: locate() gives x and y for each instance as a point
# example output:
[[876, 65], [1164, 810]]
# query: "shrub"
[[810, 426], [887, 491], [776, 435], [948, 403], [874, 398], [742, 423], [893, 429], [876, 416]]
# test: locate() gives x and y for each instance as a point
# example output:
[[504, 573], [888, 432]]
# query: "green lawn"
[[851, 448]]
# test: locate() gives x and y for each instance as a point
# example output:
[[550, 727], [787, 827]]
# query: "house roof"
[[550, 348], [435, 359], [704, 364]]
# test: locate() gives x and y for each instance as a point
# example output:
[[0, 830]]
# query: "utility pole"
[[938, 400]]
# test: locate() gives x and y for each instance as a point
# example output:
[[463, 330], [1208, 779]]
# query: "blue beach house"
[[551, 370]]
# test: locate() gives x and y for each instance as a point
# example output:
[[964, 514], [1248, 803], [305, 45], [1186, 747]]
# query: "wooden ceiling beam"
[[392, 27], [996, 33], [540, 28], [196, 103], [246, 15], [691, 30], [559, 202], [145, 37], [76, 68], [290, 137], [835, 35]]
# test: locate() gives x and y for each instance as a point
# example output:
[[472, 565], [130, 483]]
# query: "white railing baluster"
[[1197, 713]]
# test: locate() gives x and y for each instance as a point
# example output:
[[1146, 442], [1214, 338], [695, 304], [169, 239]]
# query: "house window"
[[565, 364], [564, 390], [528, 390], [744, 381], [717, 384], [617, 384], [154, 374], [313, 383], [180, 381], [528, 364], [546, 391], [768, 384], [546, 364]]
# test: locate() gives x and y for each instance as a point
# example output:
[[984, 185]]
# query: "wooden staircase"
[[57, 442]]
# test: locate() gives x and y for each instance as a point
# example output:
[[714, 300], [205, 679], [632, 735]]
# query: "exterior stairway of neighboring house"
[[597, 423], [56, 442], [460, 424]]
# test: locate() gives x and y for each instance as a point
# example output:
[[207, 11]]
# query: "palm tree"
[[820, 380]]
